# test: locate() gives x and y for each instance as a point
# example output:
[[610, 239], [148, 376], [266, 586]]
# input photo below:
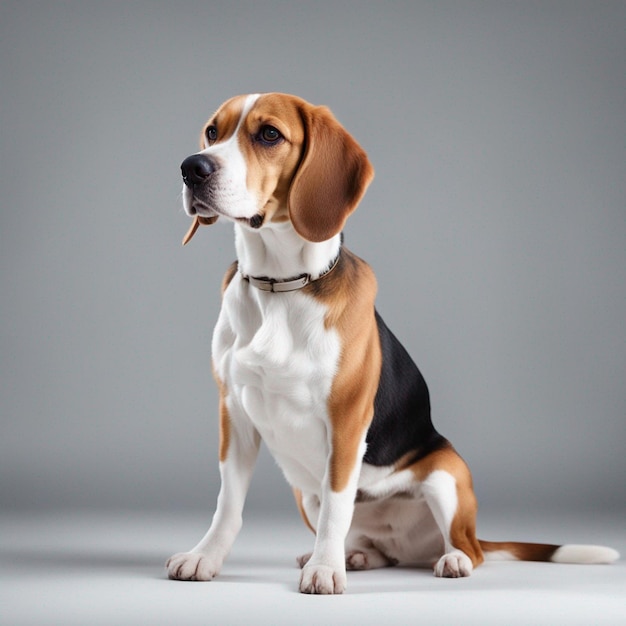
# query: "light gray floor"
[[94, 568]]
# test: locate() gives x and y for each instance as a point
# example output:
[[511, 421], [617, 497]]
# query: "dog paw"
[[303, 559], [323, 580], [192, 566], [367, 559], [357, 560], [454, 565]]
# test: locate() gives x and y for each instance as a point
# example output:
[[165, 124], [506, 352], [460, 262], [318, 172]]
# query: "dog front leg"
[[325, 571], [204, 561]]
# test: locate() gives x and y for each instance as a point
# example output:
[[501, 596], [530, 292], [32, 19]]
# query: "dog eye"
[[270, 135], [211, 134]]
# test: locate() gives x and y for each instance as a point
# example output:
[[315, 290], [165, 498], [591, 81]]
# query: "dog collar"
[[292, 284]]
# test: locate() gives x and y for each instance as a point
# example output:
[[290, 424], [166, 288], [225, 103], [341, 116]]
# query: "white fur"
[[204, 561], [572, 553], [278, 362], [380, 482], [499, 555], [325, 571], [276, 250], [230, 196]]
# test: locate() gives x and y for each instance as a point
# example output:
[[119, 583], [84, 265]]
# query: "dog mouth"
[[195, 202], [201, 212], [255, 222]]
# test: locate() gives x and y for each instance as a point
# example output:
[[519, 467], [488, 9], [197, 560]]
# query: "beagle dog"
[[304, 362]]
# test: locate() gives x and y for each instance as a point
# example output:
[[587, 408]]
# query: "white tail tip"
[[572, 553]]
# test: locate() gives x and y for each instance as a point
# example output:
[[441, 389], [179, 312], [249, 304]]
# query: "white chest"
[[278, 361]]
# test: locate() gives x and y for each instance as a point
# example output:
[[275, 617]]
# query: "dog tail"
[[568, 553]]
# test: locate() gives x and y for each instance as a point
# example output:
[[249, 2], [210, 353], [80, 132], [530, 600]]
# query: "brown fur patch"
[[224, 441], [349, 292], [298, 496], [225, 119], [521, 551], [270, 168], [230, 274], [223, 392]]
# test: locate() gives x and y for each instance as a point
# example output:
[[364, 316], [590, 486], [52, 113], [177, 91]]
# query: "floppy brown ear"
[[331, 179]]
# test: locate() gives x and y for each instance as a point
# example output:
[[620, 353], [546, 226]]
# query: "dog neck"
[[279, 253]]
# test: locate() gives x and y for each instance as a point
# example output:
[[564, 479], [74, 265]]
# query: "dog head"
[[274, 158]]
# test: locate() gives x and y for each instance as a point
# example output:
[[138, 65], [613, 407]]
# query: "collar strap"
[[292, 284]]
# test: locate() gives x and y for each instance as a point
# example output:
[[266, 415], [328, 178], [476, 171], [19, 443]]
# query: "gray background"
[[496, 224]]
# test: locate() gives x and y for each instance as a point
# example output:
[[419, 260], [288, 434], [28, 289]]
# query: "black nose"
[[196, 169]]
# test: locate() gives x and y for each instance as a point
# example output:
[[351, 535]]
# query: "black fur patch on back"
[[402, 422]]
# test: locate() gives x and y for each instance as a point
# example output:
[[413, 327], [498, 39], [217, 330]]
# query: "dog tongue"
[[197, 220]]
